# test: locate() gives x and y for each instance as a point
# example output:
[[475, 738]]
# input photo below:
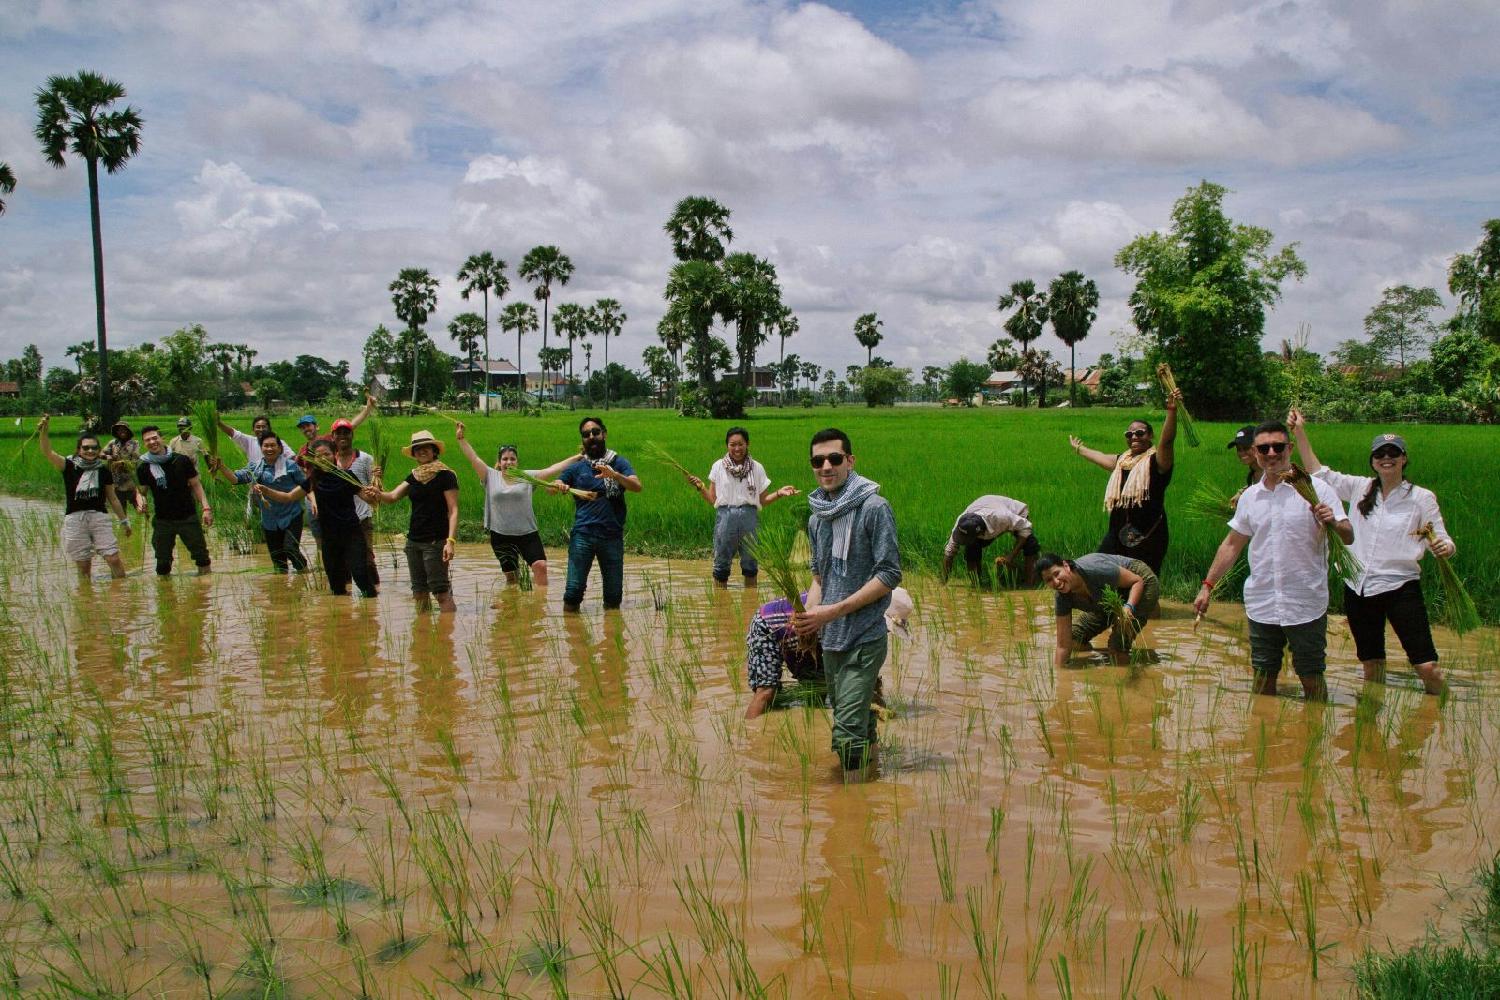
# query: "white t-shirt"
[[1288, 582], [507, 506], [1386, 542], [732, 492], [1001, 514]]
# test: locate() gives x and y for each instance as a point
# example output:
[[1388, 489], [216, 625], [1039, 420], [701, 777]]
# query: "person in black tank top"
[[89, 491]]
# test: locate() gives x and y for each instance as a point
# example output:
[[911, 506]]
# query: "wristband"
[[1130, 606], [1208, 583], [453, 541]]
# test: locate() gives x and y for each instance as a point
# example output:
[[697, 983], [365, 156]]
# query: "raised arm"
[[364, 414], [45, 443], [217, 467], [1165, 450], [1099, 458], [480, 468], [1298, 426], [555, 469]]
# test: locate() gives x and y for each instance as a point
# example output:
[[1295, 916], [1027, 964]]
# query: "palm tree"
[[695, 290], [1072, 304], [7, 182], [520, 317], [607, 320], [699, 229], [572, 322], [467, 329], [484, 273], [72, 114], [1025, 324], [673, 332], [414, 294], [544, 266], [588, 369], [752, 301], [786, 325], [867, 332]]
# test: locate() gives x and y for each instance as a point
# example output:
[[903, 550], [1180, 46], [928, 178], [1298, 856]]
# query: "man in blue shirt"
[[598, 524]]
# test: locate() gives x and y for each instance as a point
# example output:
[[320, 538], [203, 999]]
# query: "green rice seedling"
[[1211, 503], [1184, 419], [1429, 969], [1036, 946], [206, 417], [598, 913], [987, 937], [1131, 971], [1061, 975], [1308, 897], [1189, 810], [1341, 562], [942, 856], [1459, 610]]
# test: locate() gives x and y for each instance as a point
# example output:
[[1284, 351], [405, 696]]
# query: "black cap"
[[970, 526], [1244, 437]]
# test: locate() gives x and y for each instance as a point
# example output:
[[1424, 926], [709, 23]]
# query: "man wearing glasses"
[[598, 524], [90, 490], [1286, 596], [856, 563]]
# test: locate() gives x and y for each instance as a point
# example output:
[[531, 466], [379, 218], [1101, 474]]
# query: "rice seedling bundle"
[[1211, 502], [1114, 606], [334, 469], [1458, 607], [1169, 385], [1341, 561], [773, 550], [521, 475], [657, 453], [206, 416]]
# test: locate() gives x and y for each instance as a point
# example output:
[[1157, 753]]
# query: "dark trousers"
[[285, 546], [164, 535], [583, 549], [345, 558], [1404, 609]]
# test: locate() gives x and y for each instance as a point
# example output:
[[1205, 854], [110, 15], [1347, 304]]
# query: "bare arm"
[[389, 496], [195, 486], [1229, 550], [45, 443], [113, 499], [555, 468], [1099, 458], [1133, 582], [480, 469], [451, 498], [364, 414], [1165, 451], [769, 496], [1064, 645], [292, 495], [1298, 425], [708, 491]]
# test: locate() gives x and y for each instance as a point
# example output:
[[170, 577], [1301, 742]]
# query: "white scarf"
[[835, 510], [87, 486], [1136, 486]]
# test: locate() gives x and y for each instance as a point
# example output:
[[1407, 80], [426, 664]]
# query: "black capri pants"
[[1407, 613]]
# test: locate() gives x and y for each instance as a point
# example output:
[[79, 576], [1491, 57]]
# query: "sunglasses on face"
[[592, 432], [88, 447], [1273, 448], [1132, 435], [1387, 452], [835, 460]]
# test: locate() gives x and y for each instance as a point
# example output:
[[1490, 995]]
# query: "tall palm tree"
[[1025, 324], [867, 332], [607, 320], [699, 229], [468, 329], [672, 330], [545, 266], [414, 294], [520, 317], [752, 301], [572, 321], [1072, 304], [588, 369], [695, 289], [484, 272], [786, 325], [72, 113], [7, 182]]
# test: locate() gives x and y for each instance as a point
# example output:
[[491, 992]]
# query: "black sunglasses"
[[1389, 451], [592, 432], [1131, 435], [835, 460], [1273, 448]]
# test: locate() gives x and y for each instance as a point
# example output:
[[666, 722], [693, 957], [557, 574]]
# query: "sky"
[[911, 159]]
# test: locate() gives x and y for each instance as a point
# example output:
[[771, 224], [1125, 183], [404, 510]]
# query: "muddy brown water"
[[240, 784]]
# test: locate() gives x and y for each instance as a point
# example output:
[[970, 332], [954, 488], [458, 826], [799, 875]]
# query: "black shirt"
[[429, 511], [335, 496], [71, 474], [174, 501]]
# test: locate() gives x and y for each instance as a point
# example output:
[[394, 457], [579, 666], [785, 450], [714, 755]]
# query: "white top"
[[363, 469], [192, 446], [251, 447], [1288, 582], [732, 492], [1001, 515], [507, 506], [1385, 542]]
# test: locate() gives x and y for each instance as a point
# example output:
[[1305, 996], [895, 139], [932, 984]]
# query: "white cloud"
[[278, 126]]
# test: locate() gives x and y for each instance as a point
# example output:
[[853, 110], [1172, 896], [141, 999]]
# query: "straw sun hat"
[[420, 438]]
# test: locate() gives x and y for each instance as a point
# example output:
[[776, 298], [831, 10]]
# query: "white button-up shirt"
[[1001, 515], [1288, 582], [1386, 542], [732, 492]]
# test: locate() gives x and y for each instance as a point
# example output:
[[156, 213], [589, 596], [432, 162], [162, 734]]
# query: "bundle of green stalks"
[[1169, 385], [1458, 607], [1211, 502], [521, 475], [1341, 561], [1114, 606], [774, 544], [206, 416], [334, 469], [657, 453], [380, 446]]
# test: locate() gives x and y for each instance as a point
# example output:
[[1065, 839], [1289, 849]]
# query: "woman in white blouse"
[[737, 489], [1389, 515]]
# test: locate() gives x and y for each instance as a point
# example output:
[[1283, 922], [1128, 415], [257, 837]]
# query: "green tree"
[[571, 321], [932, 379], [1460, 356], [520, 317], [73, 113], [1072, 304], [468, 329], [696, 295], [28, 370], [699, 229], [551, 359], [607, 320], [1359, 354], [7, 182], [752, 301], [673, 332], [1201, 295], [867, 332], [619, 382], [545, 266], [1475, 279], [414, 294], [379, 354], [182, 369], [1041, 369], [964, 378], [1025, 323], [1402, 324], [786, 325], [883, 386], [1003, 356], [662, 369], [484, 273], [787, 371]]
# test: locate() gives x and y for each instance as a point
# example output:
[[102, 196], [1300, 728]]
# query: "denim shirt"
[[275, 516], [873, 552]]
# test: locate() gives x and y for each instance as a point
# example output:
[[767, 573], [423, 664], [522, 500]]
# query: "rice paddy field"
[[239, 785]]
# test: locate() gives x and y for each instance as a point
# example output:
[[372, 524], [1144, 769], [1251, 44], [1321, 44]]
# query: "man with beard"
[[90, 490], [598, 524], [175, 489], [856, 563], [1286, 596]]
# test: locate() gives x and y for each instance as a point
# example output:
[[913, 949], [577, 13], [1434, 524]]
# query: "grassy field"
[[930, 463]]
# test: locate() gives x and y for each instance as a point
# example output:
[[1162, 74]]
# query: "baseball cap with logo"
[[1244, 437]]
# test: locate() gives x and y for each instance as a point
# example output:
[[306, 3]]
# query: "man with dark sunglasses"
[[856, 563], [1286, 596], [598, 524]]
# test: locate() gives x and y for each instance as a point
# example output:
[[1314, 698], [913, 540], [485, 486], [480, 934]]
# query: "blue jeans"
[[583, 549], [734, 532]]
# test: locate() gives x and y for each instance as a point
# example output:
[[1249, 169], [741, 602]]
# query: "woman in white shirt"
[[508, 515], [737, 489], [1389, 515]]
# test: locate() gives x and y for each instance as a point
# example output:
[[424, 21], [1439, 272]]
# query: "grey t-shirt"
[[873, 552], [507, 506], [1099, 570]]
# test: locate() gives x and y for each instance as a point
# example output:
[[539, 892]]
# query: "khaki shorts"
[[87, 533]]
